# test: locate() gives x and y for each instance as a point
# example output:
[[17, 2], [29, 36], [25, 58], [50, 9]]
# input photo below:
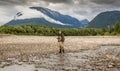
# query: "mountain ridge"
[[68, 21], [105, 20]]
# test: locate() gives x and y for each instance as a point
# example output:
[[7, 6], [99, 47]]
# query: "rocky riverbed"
[[34, 53], [105, 58]]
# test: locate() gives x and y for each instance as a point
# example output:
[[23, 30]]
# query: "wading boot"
[[63, 50], [60, 50]]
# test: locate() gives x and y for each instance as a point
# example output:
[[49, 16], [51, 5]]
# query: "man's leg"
[[62, 43], [59, 45]]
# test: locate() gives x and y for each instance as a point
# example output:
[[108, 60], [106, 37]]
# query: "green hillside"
[[105, 20]]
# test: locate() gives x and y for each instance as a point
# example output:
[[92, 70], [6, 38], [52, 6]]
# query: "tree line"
[[52, 31]]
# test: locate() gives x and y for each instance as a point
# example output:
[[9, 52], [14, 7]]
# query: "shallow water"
[[79, 61]]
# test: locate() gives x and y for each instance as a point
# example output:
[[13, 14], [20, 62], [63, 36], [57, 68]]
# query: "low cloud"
[[27, 13]]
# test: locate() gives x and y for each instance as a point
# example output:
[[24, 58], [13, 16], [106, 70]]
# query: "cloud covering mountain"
[[45, 16], [80, 9]]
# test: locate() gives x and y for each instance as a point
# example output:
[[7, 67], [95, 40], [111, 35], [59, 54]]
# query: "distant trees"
[[117, 27], [51, 31]]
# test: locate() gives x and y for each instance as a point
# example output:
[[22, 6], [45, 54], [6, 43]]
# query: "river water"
[[77, 61]]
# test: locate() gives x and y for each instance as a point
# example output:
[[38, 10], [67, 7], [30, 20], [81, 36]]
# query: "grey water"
[[77, 61]]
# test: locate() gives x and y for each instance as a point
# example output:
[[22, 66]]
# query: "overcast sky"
[[80, 9]]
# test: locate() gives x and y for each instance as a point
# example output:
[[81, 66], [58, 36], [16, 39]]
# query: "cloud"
[[80, 9], [70, 2], [27, 13], [13, 2], [30, 13], [4, 18], [30, 2], [6, 14], [59, 1], [107, 2]]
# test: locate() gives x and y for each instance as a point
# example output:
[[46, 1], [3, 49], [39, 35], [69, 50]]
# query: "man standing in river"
[[61, 40]]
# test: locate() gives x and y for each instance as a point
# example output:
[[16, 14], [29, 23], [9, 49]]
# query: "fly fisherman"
[[61, 41]]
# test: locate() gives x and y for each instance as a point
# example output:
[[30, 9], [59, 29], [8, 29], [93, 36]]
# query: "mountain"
[[35, 21], [85, 22], [56, 19], [105, 20]]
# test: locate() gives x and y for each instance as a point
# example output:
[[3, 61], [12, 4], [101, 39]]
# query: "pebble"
[[19, 63], [111, 65]]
